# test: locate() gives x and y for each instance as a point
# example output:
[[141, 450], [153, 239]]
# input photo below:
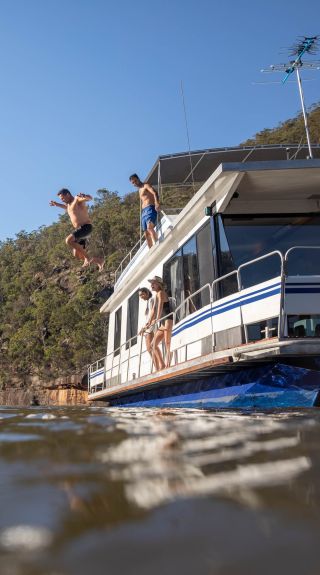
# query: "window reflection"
[[173, 278], [229, 285], [205, 261], [249, 237], [117, 330], [191, 281], [132, 319], [190, 268]]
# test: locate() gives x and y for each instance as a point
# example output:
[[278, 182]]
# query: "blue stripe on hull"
[[265, 387], [227, 306]]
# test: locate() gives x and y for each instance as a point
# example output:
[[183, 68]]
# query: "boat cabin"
[[241, 262]]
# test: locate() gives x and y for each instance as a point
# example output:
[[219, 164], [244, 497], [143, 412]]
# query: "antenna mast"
[[187, 130], [304, 45]]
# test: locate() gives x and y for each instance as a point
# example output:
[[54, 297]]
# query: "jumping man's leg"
[[78, 250], [99, 262], [76, 255]]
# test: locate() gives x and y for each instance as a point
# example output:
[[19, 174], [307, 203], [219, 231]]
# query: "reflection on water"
[[107, 490]]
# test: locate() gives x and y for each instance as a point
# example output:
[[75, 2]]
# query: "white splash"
[[25, 538]]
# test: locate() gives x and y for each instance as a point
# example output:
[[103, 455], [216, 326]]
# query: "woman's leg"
[[157, 355], [167, 340], [149, 338]]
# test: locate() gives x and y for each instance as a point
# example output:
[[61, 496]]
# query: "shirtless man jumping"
[[149, 207], [78, 213]]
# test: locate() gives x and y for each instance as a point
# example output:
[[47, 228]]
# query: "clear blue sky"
[[90, 89]]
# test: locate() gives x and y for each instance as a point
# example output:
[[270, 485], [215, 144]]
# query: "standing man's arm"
[[57, 205], [155, 195]]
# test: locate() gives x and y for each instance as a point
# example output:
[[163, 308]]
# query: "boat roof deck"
[[176, 168]]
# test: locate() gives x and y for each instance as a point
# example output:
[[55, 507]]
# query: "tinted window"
[[132, 319], [191, 281], [229, 285], [251, 237], [304, 326], [190, 268], [117, 331], [205, 261], [173, 278]]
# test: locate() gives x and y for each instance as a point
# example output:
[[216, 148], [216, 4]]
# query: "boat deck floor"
[[214, 363]]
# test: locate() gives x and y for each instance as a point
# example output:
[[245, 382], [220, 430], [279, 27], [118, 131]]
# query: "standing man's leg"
[[148, 239], [152, 233], [144, 225]]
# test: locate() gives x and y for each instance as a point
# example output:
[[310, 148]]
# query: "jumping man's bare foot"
[[99, 262], [86, 263]]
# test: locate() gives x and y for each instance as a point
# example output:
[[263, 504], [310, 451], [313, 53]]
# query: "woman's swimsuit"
[[165, 312]]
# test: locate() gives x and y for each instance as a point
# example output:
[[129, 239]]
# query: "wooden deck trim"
[[164, 375]]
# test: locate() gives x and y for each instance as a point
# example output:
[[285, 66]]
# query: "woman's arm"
[[152, 313]]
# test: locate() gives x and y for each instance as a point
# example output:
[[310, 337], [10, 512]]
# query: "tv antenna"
[[304, 45]]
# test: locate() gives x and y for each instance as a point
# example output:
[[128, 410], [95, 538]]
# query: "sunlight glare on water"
[[107, 490]]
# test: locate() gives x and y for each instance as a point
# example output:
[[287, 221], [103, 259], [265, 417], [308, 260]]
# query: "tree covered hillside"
[[291, 131], [50, 323]]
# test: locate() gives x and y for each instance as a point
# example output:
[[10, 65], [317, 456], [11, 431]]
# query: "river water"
[[95, 490]]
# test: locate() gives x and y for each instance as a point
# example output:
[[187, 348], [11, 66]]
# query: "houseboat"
[[241, 262]]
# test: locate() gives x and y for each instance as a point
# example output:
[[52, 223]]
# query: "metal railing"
[[123, 355], [127, 259], [141, 243]]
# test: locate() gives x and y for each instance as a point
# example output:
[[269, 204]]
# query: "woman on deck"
[[148, 330], [163, 316]]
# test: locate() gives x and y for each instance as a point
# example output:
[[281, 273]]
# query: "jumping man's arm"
[[83, 198], [57, 205]]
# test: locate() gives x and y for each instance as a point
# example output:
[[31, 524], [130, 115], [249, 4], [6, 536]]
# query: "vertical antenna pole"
[[159, 226], [187, 130], [304, 112]]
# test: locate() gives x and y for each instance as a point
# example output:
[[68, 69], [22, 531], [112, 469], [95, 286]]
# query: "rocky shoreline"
[[63, 391]]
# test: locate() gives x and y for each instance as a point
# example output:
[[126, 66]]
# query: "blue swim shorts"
[[148, 214]]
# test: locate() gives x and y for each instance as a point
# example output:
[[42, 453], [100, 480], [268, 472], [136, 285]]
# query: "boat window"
[[117, 331], [250, 237], [190, 268], [191, 281], [205, 261], [263, 329], [229, 285], [132, 319], [304, 326], [173, 278]]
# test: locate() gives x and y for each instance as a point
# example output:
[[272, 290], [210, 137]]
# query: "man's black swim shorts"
[[81, 234]]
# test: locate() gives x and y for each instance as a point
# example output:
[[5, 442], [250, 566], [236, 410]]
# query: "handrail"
[[183, 303], [128, 343], [129, 255], [299, 248], [270, 254], [135, 249]]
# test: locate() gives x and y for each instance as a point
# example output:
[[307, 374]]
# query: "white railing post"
[[140, 351], [128, 360]]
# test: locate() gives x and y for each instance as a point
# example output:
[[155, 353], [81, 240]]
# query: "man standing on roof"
[[150, 207], [79, 216]]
